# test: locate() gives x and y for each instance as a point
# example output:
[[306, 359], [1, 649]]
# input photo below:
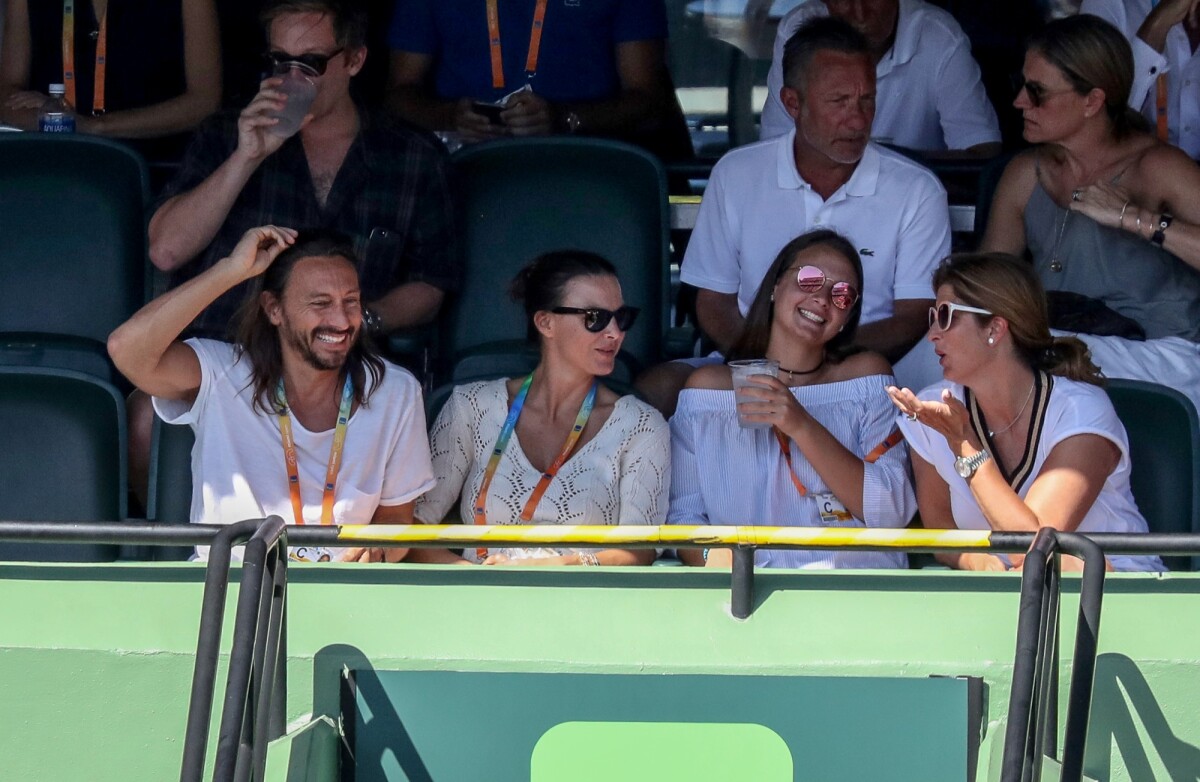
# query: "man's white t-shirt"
[[238, 470], [894, 212], [928, 90]]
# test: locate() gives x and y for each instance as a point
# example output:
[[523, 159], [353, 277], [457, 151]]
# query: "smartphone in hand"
[[489, 110]]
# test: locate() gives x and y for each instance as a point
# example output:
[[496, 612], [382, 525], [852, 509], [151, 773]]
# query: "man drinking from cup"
[[342, 169], [339, 168]]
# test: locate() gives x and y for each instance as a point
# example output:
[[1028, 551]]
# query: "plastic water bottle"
[[57, 116]]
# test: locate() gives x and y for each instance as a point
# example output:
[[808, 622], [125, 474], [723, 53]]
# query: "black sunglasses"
[[1038, 93], [317, 63], [596, 319]]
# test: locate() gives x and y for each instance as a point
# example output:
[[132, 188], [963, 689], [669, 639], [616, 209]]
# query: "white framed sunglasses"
[[943, 314]]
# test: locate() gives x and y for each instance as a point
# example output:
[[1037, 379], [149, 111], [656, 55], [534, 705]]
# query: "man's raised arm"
[[145, 348], [184, 225]]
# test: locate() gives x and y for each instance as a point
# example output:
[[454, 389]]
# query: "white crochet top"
[[620, 476]]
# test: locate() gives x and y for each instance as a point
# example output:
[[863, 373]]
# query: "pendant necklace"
[[1056, 264], [1013, 422], [793, 372]]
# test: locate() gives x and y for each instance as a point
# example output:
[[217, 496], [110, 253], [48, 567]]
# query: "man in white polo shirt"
[[822, 174], [929, 94]]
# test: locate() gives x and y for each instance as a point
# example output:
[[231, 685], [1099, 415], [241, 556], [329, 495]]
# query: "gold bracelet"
[[1121, 219]]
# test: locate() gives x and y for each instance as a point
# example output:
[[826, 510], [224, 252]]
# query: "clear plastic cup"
[[743, 373], [300, 87]]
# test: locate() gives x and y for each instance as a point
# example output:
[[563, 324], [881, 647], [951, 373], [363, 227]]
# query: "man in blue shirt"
[[594, 67]]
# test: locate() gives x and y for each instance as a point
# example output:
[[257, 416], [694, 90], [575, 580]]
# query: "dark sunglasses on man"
[[315, 63], [596, 319]]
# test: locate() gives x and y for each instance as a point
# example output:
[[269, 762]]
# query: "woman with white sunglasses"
[[1019, 435], [555, 446], [828, 453]]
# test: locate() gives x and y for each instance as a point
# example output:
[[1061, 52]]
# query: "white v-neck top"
[[1063, 410], [620, 476]]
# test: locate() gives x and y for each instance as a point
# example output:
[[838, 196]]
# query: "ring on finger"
[[912, 416], [1077, 194]]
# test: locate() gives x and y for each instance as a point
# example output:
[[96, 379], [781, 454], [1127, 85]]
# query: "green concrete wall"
[[96, 661]]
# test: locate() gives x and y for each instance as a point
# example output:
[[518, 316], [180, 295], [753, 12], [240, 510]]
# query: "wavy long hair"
[[258, 340], [1009, 288], [756, 335]]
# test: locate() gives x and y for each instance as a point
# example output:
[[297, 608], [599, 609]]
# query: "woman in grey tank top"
[[1105, 209]]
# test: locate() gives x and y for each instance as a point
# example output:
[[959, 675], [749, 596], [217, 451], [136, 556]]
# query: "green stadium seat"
[[169, 498], [72, 248], [1164, 446], [523, 197], [63, 457]]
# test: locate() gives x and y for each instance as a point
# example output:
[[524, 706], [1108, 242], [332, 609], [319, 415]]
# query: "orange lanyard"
[[506, 432], [1160, 114], [335, 453], [535, 41], [784, 448], [68, 57]]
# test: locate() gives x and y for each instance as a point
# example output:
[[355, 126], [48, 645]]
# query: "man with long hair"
[[300, 417]]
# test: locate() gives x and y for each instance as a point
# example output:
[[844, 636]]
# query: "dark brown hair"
[[258, 339], [349, 17], [1009, 288], [542, 283], [756, 335], [1092, 54]]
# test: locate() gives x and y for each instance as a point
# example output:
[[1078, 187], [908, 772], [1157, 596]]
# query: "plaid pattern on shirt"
[[391, 196]]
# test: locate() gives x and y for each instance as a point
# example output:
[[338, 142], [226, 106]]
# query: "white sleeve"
[[451, 443], [1148, 63], [178, 411], [646, 476], [775, 119], [924, 239], [888, 499], [713, 260], [687, 501], [408, 473], [964, 110]]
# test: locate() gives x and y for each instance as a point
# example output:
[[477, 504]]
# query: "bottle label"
[[56, 123]]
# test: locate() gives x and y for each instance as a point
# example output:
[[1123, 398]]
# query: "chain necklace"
[[1013, 422]]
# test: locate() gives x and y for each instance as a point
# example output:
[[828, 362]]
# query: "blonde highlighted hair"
[[1009, 288]]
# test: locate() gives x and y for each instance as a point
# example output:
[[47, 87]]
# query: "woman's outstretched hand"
[[949, 417]]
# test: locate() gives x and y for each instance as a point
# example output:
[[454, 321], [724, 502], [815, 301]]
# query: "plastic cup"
[[743, 373], [301, 90]]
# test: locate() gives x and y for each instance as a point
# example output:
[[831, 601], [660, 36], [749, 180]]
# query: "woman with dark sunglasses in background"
[[1019, 435], [555, 446], [831, 455], [1108, 212]]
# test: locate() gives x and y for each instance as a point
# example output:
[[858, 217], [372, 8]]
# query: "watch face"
[[962, 467]]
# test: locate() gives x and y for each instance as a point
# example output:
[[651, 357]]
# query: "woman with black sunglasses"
[[1019, 435], [555, 446], [1107, 210], [826, 457]]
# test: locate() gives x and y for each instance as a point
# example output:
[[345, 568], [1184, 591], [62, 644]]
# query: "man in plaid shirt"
[[384, 185]]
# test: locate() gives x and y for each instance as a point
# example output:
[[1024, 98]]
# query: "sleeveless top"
[[1132, 276], [145, 51]]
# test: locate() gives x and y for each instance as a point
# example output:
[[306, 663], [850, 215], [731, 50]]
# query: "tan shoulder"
[[711, 376], [861, 364]]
